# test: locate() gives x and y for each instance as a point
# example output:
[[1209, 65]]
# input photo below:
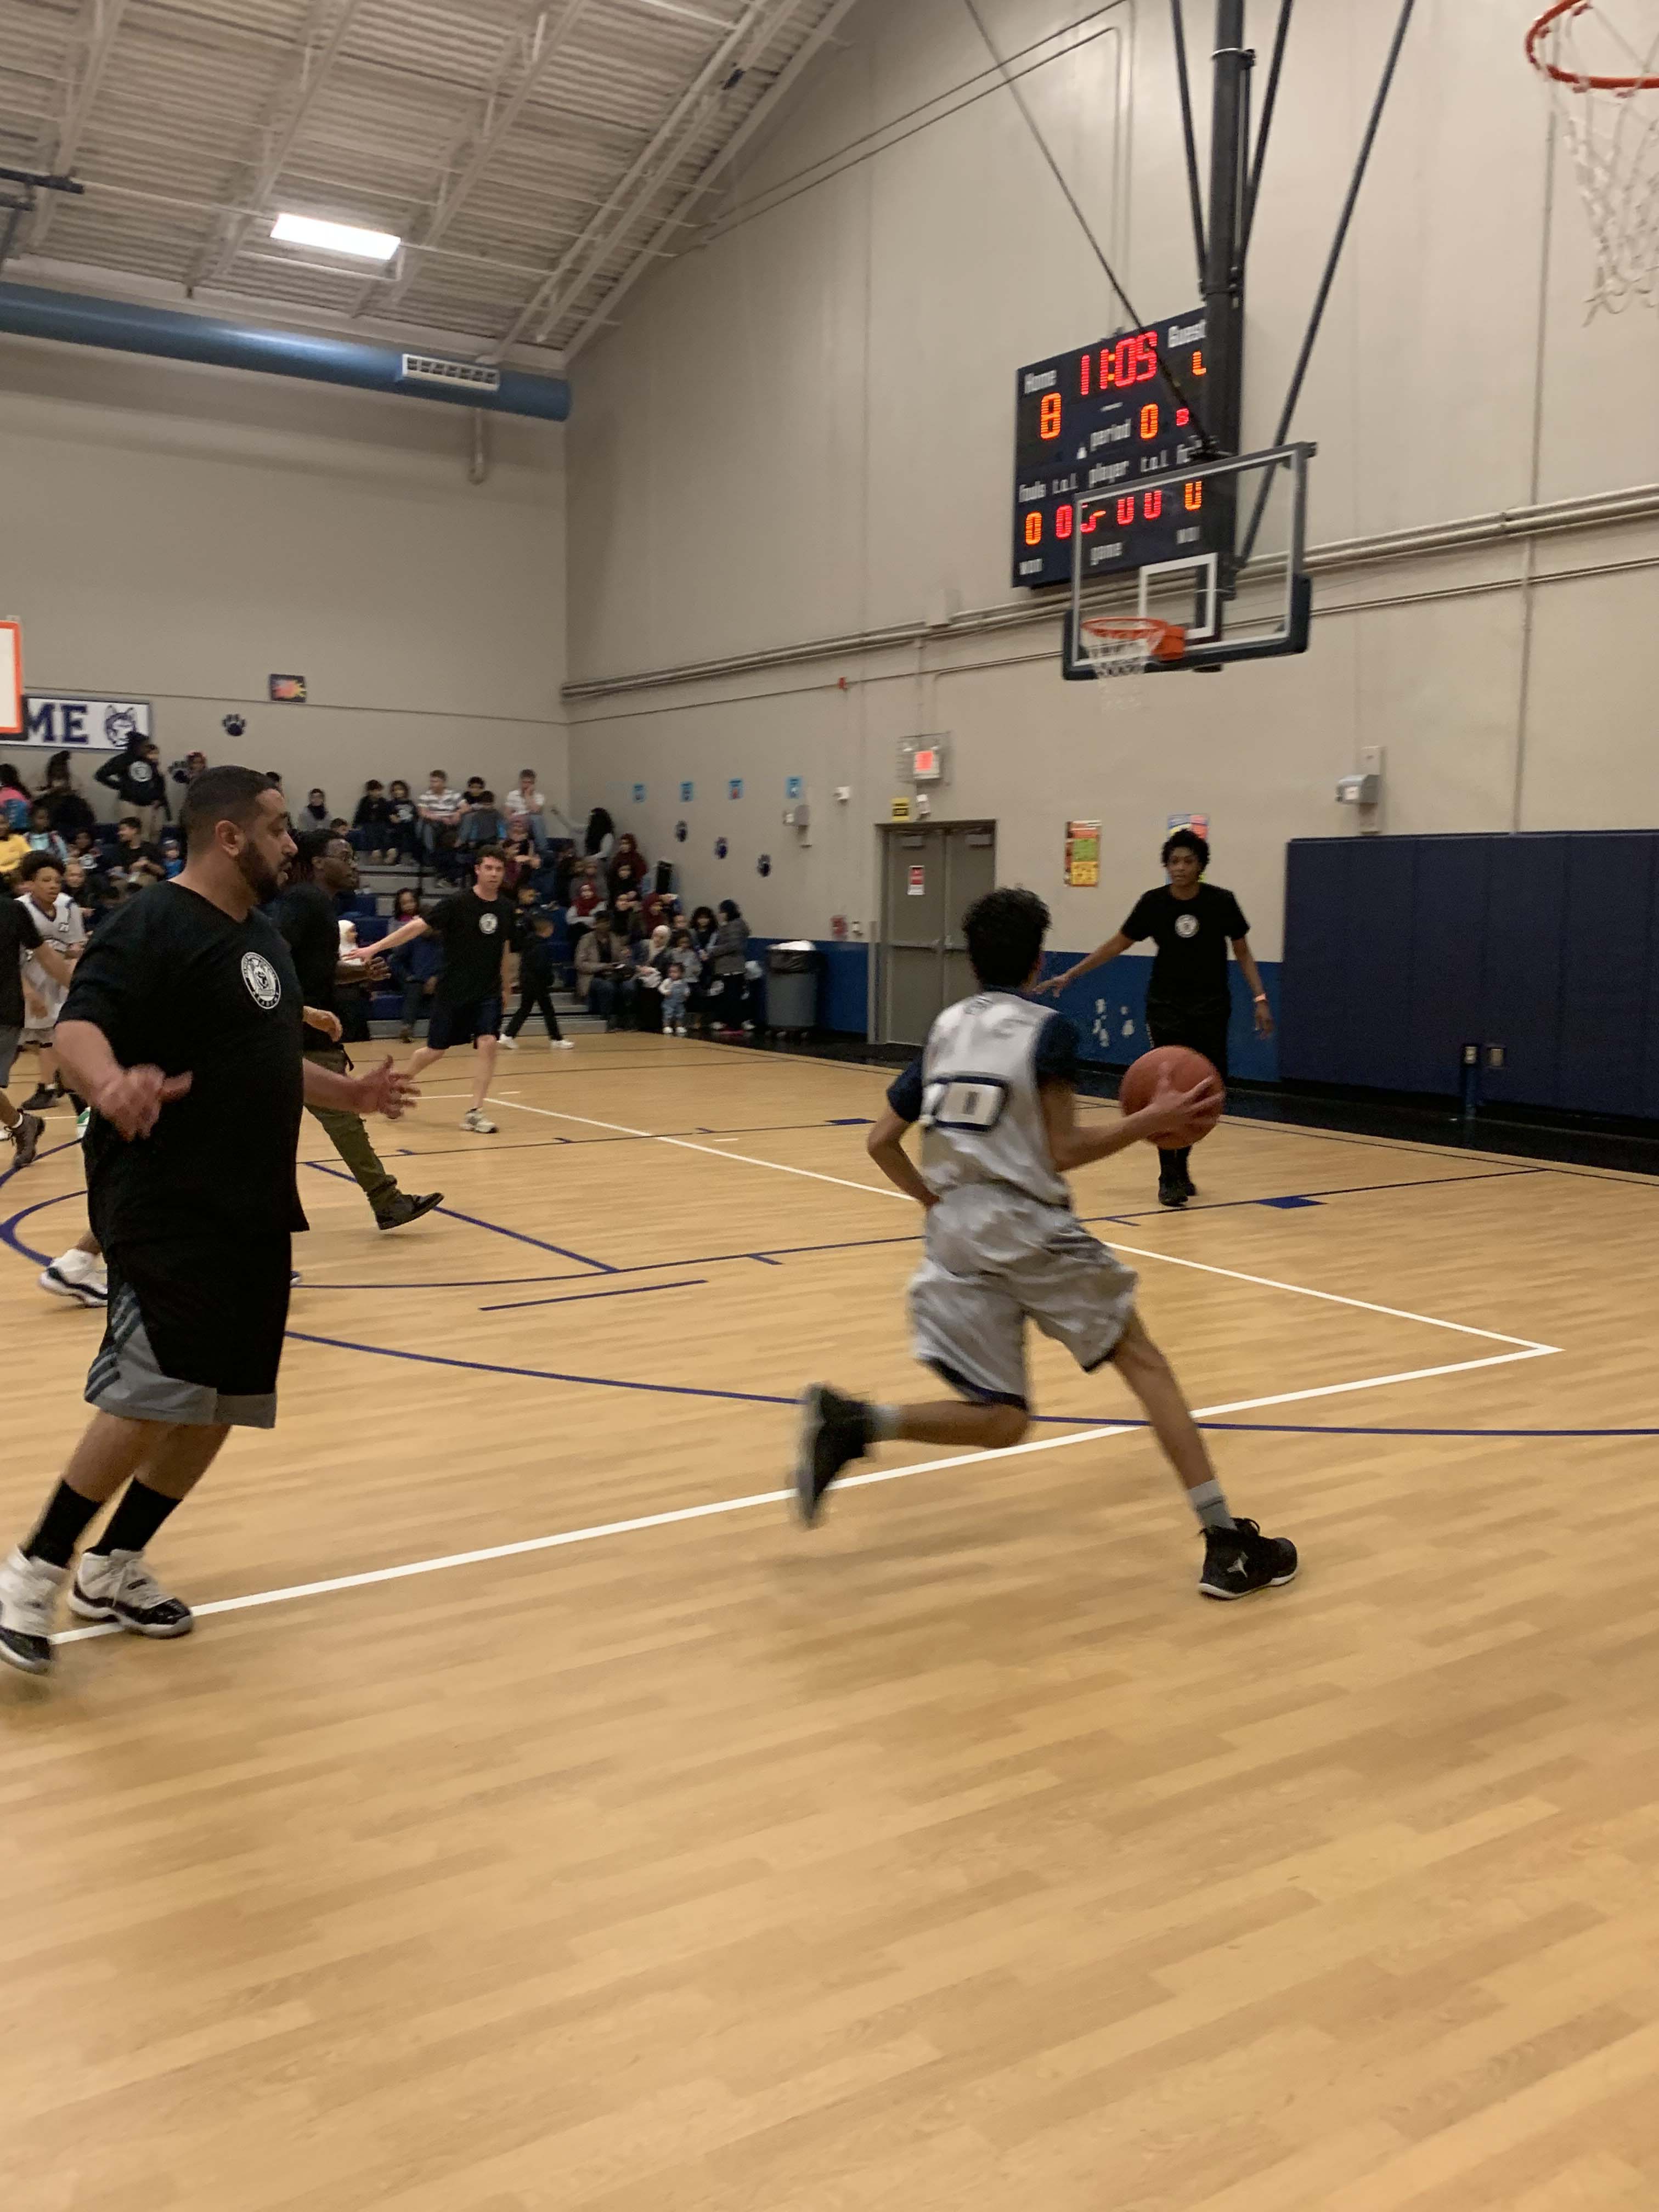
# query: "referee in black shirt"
[[183, 1030], [1192, 923]]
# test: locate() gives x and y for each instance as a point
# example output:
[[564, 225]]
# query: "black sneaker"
[[404, 1208], [1187, 1183], [44, 1094], [26, 1136], [1240, 1559], [1172, 1190], [835, 1429]]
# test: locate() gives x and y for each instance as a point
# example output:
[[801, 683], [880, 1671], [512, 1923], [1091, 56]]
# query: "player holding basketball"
[[1192, 923], [992, 1091]]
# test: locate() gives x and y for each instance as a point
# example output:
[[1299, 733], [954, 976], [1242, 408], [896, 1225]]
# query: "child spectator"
[[404, 817], [173, 855], [42, 837], [414, 967], [371, 826], [314, 814], [14, 799], [69, 812], [533, 937], [676, 993], [85, 888], [14, 851], [482, 824]]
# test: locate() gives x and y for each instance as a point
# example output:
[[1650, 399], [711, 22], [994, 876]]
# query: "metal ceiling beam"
[[719, 162], [316, 65], [545, 303], [546, 42], [102, 22]]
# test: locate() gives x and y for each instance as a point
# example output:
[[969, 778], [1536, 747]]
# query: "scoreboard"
[[1105, 420]]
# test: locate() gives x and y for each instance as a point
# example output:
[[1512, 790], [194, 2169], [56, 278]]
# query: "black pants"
[[535, 995], [1200, 1028]]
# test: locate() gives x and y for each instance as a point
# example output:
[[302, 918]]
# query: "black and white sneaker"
[[43, 1095], [1240, 1559], [835, 1429], [28, 1598], [117, 1586], [26, 1136], [404, 1206]]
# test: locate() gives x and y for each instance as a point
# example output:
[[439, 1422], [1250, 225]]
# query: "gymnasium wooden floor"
[[660, 1857]]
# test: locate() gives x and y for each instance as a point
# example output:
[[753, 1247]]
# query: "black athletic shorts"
[[193, 1331], [1199, 1029], [462, 1022]]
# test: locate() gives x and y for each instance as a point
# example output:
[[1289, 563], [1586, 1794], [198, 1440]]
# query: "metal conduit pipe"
[[73, 319], [1638, 503]]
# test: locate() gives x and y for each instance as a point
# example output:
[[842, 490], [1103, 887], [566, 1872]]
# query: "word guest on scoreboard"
[[1101, 419]]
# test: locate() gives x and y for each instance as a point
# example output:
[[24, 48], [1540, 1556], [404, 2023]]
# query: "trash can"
[[792, 986]]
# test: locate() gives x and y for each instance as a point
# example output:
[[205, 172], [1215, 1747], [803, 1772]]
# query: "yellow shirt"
[[14, 851]]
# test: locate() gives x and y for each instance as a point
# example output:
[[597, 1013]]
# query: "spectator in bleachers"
[[371, 824], [84, 887], [526, 800], [626, 919], [405, 821], [599, 838], [587, 901], [314, 814], [132, 845], [660, 909], [14, 799], [135, 778], [440, 808], [729, 957], [14, 851], [185, 771], [42, 837], [628, 870], [173, 855], [482, 824], [598, 957], [69, 812]]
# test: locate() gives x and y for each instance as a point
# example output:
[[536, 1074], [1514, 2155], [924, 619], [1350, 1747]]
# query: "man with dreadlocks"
[[323, 865]]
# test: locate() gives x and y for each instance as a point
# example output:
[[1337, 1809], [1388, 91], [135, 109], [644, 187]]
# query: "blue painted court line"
[[587, 1297], [1289, 1204], [476, 1221], [540, 1374]]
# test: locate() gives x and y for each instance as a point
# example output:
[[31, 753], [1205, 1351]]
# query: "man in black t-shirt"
[[1187, 1001], [21, 938], [475, 929], [322, 867], [182, 1029]]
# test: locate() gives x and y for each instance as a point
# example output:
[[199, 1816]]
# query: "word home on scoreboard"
[[1105, 419]]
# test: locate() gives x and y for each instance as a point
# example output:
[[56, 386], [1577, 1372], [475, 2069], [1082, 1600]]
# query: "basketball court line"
[[1140, 1252], [675, 1516]]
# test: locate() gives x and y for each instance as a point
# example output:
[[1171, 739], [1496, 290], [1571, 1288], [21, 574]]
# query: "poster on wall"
[[1198, 823], [688, 792], [639, 794], [917, 886], [734, 787], [1082, 855], [289, 690], [794, 787], [52, 721]]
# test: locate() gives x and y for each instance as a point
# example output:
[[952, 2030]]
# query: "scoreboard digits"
[[1103, 419]]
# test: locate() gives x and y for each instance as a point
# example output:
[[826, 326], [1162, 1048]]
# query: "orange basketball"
[[1183, 1067]]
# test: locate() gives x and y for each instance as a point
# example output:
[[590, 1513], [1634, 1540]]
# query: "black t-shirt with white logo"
[[304, 914], [18, 938], [173, 980], [473, 933], [1189, 973]]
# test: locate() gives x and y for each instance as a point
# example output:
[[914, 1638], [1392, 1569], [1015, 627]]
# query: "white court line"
[[685, 1513], [1141, 1251]]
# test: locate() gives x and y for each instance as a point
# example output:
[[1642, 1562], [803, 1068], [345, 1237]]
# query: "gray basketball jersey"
[[982, 1069]]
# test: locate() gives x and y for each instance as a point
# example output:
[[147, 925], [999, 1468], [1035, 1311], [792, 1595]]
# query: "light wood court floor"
[[953, 1855]]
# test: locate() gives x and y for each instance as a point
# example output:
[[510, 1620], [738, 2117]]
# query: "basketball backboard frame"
[[1268, 572]]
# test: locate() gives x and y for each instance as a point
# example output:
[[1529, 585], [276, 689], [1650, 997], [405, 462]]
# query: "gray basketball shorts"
[[996, 1259]]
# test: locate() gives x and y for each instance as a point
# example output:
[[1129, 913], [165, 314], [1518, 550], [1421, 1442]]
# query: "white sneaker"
[[508, 1043], [478, 1121], [28, 1598], [76, 1275], [117, 1586], [561, 1044]]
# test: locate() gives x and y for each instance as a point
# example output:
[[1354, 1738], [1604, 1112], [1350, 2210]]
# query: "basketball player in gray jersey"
[[993, 1093]]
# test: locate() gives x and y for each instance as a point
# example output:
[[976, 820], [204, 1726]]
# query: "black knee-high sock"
[[1173, 1164], [135, 1519], [61, 1527]]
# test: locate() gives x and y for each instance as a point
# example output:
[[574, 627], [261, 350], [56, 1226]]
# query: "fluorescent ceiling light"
[[336, 237]]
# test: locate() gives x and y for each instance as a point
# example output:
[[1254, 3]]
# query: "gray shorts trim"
[[126, 1379], [997, 1259]]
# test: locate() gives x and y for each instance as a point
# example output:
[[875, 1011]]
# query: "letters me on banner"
[[52, 721], [1082, 855]]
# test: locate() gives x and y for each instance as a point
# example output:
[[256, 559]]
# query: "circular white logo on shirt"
[[489, 924], [263, 984], [1187, 924]]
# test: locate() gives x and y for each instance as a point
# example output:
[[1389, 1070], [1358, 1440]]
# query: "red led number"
[[1193, 493], [1063, 520], [1083, 367], [1151, 505], [1048, 418]]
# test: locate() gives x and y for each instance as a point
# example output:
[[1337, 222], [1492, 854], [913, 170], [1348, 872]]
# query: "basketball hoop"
[[1604, 85], [1125, 645]]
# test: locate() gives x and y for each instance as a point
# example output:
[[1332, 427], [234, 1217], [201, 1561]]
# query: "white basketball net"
[[1600, 60], [1124, 645]]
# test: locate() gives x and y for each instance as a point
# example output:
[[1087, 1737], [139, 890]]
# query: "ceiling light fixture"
[[334, 237]]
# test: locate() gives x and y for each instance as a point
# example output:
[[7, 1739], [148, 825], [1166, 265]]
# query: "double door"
[[932, 873]]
